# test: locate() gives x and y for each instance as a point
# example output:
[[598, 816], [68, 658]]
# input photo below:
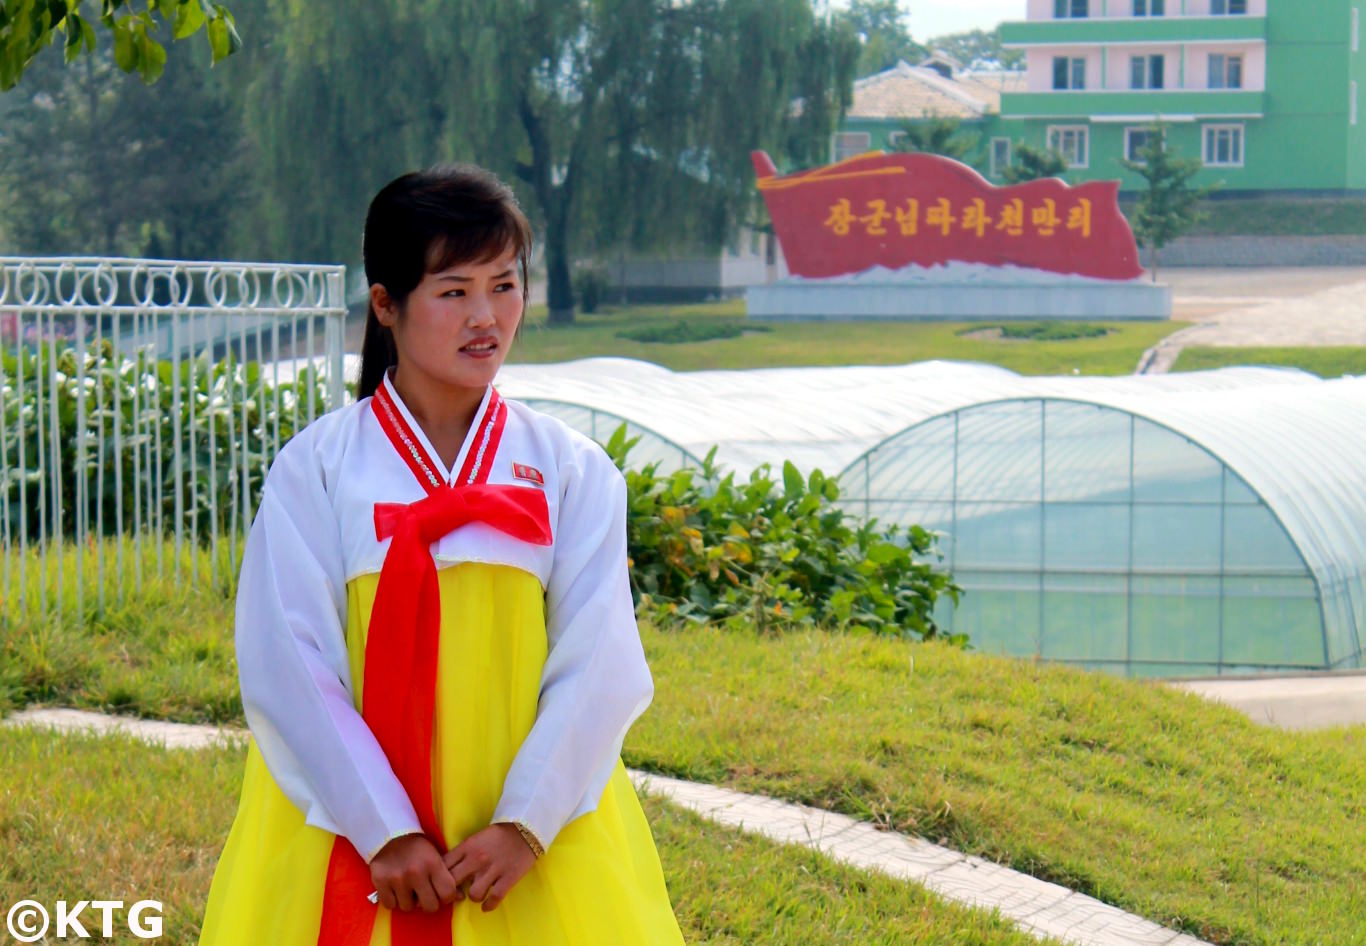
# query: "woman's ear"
[[383, 304]]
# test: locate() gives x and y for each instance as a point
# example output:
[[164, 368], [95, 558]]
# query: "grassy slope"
[[1324, 362], [89, 818], [828, 343], [1142, 796]]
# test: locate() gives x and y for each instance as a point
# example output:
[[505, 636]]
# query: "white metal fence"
[[142, 401]]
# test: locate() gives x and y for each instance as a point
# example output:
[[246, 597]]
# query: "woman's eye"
[[455, 293], [507, 285]]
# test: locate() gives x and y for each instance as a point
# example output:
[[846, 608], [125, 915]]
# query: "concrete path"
[[1259, 308], [1040, 908], [1306, 701]]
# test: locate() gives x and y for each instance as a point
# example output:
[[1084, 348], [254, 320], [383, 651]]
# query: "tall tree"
[[883, 32], [100, 163], [619, 117], [979, 49], [1032, 164], [29, 26], [942, 136], [1169, 205]]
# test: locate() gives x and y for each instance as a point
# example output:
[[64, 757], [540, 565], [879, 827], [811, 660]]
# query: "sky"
[[930, 18]]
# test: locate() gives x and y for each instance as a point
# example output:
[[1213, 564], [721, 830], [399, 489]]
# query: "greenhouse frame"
[[1195, 524]]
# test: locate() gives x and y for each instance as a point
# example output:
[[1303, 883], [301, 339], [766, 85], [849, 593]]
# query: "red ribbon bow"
[[399, 695]]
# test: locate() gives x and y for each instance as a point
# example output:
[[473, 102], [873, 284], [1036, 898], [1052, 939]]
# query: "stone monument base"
[[939, 296]]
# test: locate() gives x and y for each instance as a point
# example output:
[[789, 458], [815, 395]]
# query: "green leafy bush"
[[765, 554], [228, 416], [590, 285], [682, 331], [1044, 331]]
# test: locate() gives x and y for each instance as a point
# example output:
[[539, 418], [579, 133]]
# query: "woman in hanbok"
[[436, 645]]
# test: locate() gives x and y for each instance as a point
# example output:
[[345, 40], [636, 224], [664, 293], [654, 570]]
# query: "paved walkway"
[[1040, 908], [1260, 308], [1304, 701]]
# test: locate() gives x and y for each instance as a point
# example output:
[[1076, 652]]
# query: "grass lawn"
[[160, 648], [84, 817], [1142, 796], [825, 343], [1139, 795], [1324, 362]]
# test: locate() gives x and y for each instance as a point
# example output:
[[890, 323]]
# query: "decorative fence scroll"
[[142, 401]]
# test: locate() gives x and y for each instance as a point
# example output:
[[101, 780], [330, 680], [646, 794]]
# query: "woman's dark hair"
[[426, 222]]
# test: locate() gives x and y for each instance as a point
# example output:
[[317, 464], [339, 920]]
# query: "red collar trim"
[[489, 435], [488, 427], [405, 442]]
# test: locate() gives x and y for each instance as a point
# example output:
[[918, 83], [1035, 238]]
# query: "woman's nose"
[[481, 311]]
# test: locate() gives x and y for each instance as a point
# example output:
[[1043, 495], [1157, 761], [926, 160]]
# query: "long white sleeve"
[[596, 682], [292, 664]]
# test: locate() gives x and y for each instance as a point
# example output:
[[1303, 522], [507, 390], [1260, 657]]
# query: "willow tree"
[[625, 122]]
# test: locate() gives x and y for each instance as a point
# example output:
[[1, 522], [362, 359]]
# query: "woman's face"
[[458, 323]]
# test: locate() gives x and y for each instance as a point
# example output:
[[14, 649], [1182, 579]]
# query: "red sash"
[[399, 693]]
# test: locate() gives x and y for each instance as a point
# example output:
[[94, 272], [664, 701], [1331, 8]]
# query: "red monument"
[[909, 213]]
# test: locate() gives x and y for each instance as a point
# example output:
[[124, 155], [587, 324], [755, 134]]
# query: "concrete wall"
[[1263, 251]]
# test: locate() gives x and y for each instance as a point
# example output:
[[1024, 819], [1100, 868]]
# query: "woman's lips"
[[480, 348]]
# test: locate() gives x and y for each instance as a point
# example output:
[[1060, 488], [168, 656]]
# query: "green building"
[[1264, 92]]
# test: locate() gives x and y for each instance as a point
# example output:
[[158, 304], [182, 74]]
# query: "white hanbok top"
[[315, 531]]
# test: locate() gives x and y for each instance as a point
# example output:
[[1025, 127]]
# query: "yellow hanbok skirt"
[[599, 882]]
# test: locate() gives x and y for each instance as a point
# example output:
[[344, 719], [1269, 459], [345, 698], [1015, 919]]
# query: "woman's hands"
[[410, 873], [491, 861]]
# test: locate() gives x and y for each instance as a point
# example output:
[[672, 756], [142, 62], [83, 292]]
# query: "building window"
[[1224, 146], [1069, 73], [1064, 9], [1356, 29], [1000, 156], [1352, 102], [1146, 72], [1070, 141], [1225, 72], [849, 144], [1136, 141], [1150, 8], [894, 140], [1232, 7]]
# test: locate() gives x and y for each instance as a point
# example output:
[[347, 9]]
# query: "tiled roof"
[[906, 91]]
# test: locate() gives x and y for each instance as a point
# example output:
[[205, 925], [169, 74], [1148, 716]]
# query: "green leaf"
[[189, 17], [125, 54], [792, 480], [885, 552], [72, 47], [223, 38], [219, 42], [153, 56]]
